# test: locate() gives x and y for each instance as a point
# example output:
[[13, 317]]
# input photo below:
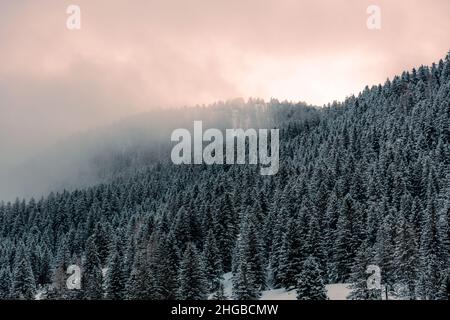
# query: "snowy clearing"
[[338, 291]]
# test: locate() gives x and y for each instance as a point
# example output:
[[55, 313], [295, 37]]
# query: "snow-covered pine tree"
[[58, 288], [386, 248], [310, 284], [23, 282], [184, 227], [331, 219], [277, 222], [256, 248], [136, 287], [292, 256], [102, 239], [250, 273], [344, 249], [5, 283], [405, 255], [58, 277], [167, 268], [244, 287], [219, 294], [359, 276], [192, 282], [115, 280], [92, 277], [226, 226], [213, 262], [44, 272]]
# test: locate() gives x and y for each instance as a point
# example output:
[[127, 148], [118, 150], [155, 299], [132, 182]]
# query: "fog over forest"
[[59, 87]]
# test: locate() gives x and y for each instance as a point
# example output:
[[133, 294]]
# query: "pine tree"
[[163, 267], [44, 272], [255, 248], [386, 248], [443, 236], [429, 276], [213, 262], [310, 284], [5, 283], [344, 245], [405, 256], [329, 234], [23, 282], [249, 275], [292, 254], [91, 280], [103, 241], [115, 279], [226, 222], [244, 283], [184, 227], [219, 294], [360, 290], [277, 254], [192, 282], [136, 287]]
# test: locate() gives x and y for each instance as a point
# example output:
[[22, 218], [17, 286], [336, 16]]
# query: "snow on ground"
[[39, 294], [334, 291], [279, 294], [338, 291], [228, 284]]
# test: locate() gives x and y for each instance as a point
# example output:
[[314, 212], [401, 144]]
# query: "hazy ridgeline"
[[131, 144], [361, 182]]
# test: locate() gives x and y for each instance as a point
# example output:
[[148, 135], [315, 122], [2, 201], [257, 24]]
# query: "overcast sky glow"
[[130, 56]]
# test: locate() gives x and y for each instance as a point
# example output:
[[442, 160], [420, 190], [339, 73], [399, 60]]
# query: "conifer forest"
[[361, 182]]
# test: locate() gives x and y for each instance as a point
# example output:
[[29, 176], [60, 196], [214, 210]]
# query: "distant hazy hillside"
[[131, 144]]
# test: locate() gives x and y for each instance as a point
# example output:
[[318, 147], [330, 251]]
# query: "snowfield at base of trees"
[[338, 291], [279, 294]]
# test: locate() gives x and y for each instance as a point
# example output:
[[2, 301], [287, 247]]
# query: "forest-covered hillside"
[[365, 181]]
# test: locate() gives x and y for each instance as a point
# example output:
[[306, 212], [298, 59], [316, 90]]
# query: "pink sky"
[[130, 56]]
